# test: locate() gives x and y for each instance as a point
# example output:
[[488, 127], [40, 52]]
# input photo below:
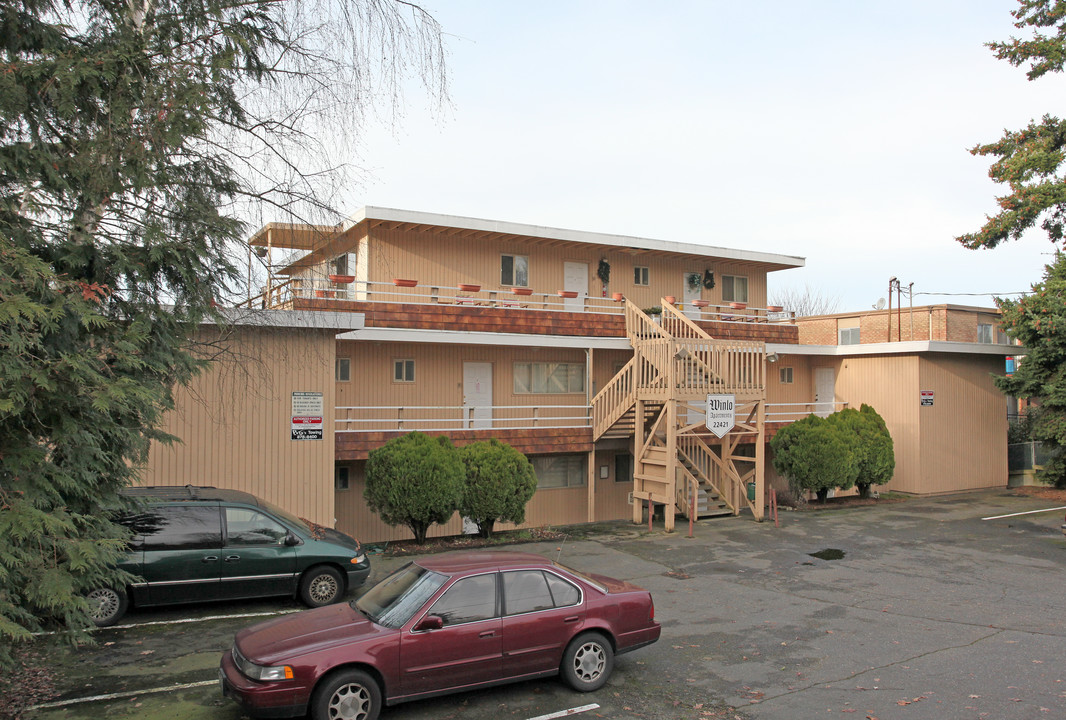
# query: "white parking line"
[[566, 713], [119, 696], [182, 621], [1029, 512]]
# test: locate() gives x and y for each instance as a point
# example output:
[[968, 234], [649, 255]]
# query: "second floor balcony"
[[406, 304]]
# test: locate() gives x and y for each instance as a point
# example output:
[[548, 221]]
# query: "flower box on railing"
[[467, 287], [701, 303], [342, 279], [401, 282], [568, 293], [738, 305], [522, 291], [775, 308]]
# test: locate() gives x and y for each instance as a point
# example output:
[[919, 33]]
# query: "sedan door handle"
[[233, 558], [571, 619], [210, 558], [487, 633]]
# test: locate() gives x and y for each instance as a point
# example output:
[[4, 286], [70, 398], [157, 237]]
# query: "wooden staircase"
[[658, 398]]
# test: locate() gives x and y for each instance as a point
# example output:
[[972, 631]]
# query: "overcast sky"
[[836, 131]]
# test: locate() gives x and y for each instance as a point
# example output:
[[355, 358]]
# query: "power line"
[[990, 294]]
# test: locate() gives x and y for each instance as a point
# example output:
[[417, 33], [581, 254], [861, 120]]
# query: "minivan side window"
[[180, 527], [245, 526]]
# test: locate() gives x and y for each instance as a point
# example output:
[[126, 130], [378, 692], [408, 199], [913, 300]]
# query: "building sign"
[[1010, 366], [927, 398], [721, 413], [307, 412]]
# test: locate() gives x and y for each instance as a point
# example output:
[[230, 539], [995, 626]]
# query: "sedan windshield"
[[395, 599]]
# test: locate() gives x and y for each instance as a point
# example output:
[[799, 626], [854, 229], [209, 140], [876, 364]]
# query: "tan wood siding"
[[964, 432], [890, 385], [234, 423]]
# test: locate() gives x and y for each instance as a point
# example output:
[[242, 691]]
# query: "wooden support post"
[[760, 459], [671, 465], [592, 486], [638, 465]]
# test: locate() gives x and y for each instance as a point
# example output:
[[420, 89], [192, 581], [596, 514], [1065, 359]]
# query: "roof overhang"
[[338, 322], [897, 348], [437, 337]]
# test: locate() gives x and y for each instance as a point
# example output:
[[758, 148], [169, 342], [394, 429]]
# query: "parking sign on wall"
[[307, 411]]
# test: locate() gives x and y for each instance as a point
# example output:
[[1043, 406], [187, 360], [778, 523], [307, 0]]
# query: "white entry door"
[[576, 279], [824, 391], [477, 395], [691, 294]]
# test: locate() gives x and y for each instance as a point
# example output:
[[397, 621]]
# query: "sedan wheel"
[[347, 695], [587, 662]]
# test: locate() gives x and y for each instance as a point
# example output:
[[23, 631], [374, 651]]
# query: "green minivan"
[[194, 544]]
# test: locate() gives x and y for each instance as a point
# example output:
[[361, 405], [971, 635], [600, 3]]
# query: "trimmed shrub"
[[414, 480], [499, 483], [815, 456]]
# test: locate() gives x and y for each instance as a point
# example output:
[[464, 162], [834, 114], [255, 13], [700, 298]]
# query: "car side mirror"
[[430, 622], [291, 540]]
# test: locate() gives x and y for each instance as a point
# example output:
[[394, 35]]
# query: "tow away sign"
[[721, 413], [307, 411]]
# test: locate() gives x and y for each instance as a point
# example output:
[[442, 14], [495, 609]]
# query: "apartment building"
[[594, 354]]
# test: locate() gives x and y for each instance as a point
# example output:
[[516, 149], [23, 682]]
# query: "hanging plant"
[[603, 271], [708, 279], [694, 281]]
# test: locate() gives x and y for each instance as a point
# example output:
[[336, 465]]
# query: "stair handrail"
[[639, 326], [680, 326], [613, 400]]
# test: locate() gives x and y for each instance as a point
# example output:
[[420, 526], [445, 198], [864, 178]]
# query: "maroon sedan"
[[450, 622]]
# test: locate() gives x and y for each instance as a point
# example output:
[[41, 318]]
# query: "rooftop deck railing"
[[283, 296], [451, 418]]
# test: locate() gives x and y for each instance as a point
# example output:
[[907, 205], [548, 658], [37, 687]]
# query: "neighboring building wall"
[[234, 422], [948, 323]]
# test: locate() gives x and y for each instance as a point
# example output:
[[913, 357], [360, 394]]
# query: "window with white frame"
[[548, 378], [641, 276], [559, 471], [514, 270], [403, 371], [848, 336], [343, 369], [734, 288], [785, 375]]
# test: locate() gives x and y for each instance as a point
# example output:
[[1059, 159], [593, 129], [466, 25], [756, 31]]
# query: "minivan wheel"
[[587, 662], [106, 606], [346, 695], [321, 586]]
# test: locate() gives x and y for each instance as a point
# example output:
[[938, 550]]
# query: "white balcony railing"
[[283, 295], [450, 418]]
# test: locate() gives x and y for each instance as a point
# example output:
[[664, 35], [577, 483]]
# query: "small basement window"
[[403, 371]]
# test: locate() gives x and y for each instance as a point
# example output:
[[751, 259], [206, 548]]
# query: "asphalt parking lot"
[[919, 609]]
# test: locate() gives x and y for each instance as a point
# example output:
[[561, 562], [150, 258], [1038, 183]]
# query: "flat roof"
[[312, 237], [459, 337]]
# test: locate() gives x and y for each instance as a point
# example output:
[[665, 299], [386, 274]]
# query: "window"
[[247, 527], [468, 600], [181, 528], [734, 288], [526, 591], [786, 375], [623, 467], [848, 336], [531, 590], [339, 265], [514, 270], [340, 478], [559, 471], [403, 371], [985, 333], [641, 275], [343, 369], [549, 378]]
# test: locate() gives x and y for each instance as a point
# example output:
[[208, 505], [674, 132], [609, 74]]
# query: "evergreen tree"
[[1030, 162], [129, 132]]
